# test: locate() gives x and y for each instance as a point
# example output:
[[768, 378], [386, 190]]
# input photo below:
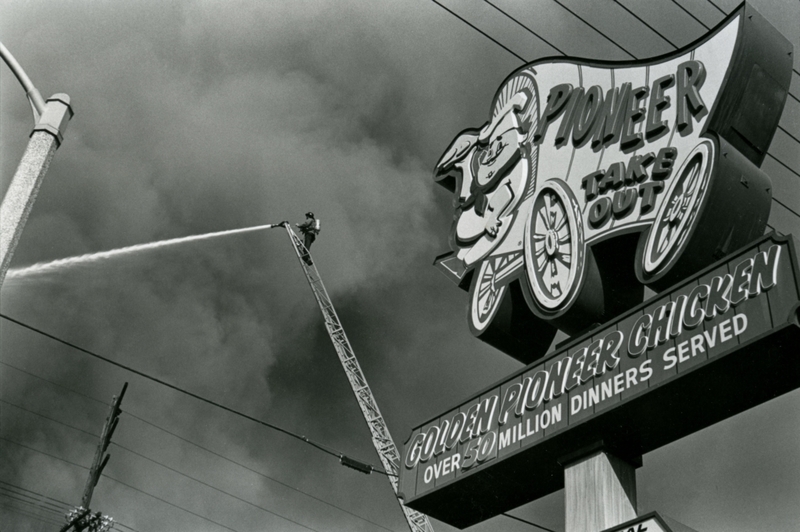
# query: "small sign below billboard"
[[650, 522]]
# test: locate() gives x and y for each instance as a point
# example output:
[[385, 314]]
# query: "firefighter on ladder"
[[310, 229]]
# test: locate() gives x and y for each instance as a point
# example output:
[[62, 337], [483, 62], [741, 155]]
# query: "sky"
[[194, 117]]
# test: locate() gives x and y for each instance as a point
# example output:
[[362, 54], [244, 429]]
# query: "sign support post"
[[599, 492]]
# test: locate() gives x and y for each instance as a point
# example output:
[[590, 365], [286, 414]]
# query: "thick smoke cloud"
[[198, 116]]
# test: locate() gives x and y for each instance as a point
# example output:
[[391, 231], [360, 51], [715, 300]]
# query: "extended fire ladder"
[[381, 439]]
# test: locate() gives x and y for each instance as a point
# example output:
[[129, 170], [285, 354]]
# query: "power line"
[[223, 457], [32, 495], [59, 511], [31, 503], [48, 418], [174, 470], [691, 14], [718, 8], [43, 502], [788, 133], [465, 21], [594, 28], [96, 400], [31, 515], [117, 523], [45, 453], [527, 522], [169, 503], [319, 446], [792, 170], [725, 14], [35, 493], [676, 47], [257, 472], [177, 471], [27, 511], [637, 17], [39, 503], [212, 487], [120, 482], [551, 45]]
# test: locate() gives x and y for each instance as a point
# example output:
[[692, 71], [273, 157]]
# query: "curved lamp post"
[[50, 121]]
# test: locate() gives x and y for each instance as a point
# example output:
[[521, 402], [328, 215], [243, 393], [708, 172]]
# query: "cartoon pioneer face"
[[590, 181], [489, 172]]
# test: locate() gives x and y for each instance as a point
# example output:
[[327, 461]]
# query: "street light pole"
[[50, 122]]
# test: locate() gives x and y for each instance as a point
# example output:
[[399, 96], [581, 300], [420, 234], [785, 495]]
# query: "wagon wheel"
[[678, 211], [554, 248], [486, 295]]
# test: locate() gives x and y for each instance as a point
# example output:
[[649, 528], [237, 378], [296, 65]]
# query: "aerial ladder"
[[381, 439]]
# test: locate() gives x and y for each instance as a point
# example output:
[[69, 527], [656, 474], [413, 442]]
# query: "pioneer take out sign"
[[649, 155], [704, 346]]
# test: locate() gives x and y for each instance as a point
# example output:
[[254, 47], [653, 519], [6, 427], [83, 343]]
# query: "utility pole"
[[81, 518], [50, 122]]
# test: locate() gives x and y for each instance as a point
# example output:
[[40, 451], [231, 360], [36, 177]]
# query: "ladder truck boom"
[[381, 439]]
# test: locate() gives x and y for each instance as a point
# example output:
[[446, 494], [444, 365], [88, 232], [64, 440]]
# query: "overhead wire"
[[28, 511], [788, 133], [465, 21], [779, 126], [692, 15], [117, 523], [259, 473], [119, 482], [718, 8], [593, 27], [527, 522], [223, 457], [53, 505], [272, 426], [165, 466], [49, 418], [792, 170], [30, 503], [156, 497], [35, 493], [45, 505], [44, 453], [725, 14], [640, 19], [76, 392], [31, 515], [526, 28], [206, 484], [776, 200]]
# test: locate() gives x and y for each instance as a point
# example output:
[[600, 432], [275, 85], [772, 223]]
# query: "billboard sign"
[[710, 347], [592, 179]]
